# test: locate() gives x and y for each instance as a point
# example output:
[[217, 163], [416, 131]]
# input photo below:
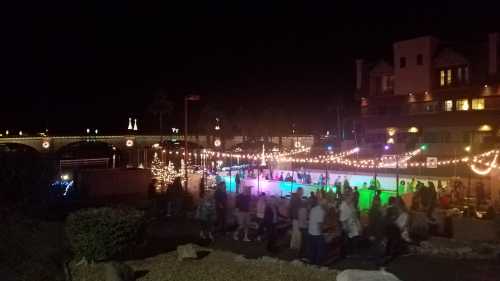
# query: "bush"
[[103, 233]]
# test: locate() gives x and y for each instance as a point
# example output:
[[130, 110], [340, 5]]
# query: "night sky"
[[70, 65]]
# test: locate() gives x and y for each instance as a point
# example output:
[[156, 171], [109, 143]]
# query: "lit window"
[[441, 75], [477, 104], [448, 77], [463, 105], [448, 105]]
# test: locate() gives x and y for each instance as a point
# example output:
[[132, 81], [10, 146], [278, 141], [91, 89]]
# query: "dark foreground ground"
[[36, 251], [166, 235]]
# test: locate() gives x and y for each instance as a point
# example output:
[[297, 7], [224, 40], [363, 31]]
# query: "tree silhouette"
[[243, 122], [161, 107], [209, 116]]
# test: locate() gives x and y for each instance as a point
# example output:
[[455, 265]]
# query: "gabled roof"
[[448, 57], [382, 67]]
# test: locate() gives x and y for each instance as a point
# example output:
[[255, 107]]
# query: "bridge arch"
[[18, 147], [86, 149]]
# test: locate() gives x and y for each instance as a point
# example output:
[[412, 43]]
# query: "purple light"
[[386, 147]]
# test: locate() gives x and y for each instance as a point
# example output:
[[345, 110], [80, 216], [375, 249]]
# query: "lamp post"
[[397, 174], [468, 150], [186, 99]]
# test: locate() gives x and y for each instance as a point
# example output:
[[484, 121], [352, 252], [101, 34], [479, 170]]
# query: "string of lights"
[[341, 158]]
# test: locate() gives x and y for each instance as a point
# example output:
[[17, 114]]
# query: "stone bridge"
[[48, 144]]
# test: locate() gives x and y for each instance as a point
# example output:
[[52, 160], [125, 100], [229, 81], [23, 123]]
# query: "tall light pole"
[[397, 174], [469, 162], [186, 99]]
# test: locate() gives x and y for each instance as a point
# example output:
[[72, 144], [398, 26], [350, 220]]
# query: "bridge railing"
[[76, 163]]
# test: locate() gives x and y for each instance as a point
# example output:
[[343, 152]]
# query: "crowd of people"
[[323, 226], [327, 224]]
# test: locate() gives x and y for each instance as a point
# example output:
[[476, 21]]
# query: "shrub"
[[103, 233]]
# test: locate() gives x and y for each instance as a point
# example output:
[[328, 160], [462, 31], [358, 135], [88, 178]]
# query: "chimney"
[[359, 74], [493, 54]]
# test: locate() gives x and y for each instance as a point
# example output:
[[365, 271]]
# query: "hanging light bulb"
[[130, 123]]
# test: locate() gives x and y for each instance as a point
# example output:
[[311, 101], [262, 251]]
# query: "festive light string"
[[341, 159], [252, 156], [489, 165]]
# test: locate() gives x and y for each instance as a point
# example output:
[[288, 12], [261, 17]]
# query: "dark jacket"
[[243, 202], [295, 206], [220, 198], [271, 215]]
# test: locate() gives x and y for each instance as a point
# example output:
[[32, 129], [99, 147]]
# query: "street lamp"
[[186, 99], [468, 150]]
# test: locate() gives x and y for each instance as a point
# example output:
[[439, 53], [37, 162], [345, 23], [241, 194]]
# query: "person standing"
[[221, 206], [237, 181], [303, 225], [261, 209], [401, 188], [432, 195], [152, 189], [243, 214], [271, 217], [206, 214], [350, 223], [345, 186], [316, 239], [397, 220], [152, 196], [201, 187], [375, 218], [295, 204], [311, 201], [356, 198], [412, 185]]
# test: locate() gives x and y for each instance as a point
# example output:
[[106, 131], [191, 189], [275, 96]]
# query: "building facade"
[[434, 92]]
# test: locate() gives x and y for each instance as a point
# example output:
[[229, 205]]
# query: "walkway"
[[166, 235]]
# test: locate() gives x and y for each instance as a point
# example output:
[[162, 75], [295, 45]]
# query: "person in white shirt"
[[303, 225], [351, 225], [261, 209], [349, 218], [316, 239], [295, 203]]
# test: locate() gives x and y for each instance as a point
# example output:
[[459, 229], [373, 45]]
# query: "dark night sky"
[[71, 65]]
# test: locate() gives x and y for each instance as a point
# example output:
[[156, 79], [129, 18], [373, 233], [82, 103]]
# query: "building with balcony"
[[431, 91]]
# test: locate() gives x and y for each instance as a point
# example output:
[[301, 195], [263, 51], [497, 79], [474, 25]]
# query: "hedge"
[[103, 233]]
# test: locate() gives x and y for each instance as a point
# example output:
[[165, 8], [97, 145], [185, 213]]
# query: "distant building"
[[434, 92]]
